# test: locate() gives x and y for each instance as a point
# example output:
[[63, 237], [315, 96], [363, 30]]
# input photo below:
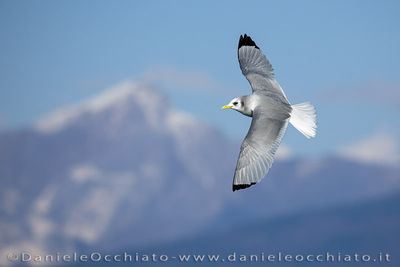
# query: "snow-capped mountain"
[[123, 162], [127, 169]]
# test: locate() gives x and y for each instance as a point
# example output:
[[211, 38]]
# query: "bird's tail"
[[304, 118]]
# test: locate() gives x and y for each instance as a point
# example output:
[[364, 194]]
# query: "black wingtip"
[[241, 186], [246, 41]]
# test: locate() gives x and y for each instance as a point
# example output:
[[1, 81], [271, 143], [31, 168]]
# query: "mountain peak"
[[115, 97]]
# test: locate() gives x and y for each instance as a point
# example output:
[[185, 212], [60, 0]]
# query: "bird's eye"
[[235, 103]]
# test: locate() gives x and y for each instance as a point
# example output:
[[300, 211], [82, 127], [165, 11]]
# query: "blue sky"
[[340, 55]]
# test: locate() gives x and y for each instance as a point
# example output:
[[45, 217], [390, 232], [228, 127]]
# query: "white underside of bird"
[[270, 111]]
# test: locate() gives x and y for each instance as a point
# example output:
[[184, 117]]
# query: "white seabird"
[[271, 112]]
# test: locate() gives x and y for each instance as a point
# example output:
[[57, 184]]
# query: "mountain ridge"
[[118, 166]]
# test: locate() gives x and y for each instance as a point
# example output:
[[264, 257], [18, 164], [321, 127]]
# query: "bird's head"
[[234, 104], [238, 104]]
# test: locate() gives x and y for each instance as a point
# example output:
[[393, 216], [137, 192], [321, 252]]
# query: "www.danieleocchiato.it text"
[[231, 257]]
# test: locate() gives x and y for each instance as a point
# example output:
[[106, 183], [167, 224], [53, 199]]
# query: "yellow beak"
[[227, 107]]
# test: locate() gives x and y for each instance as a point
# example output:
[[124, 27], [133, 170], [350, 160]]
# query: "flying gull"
[[270, 111]]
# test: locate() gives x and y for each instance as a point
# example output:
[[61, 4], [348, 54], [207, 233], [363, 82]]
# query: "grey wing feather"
[[258, 150], [257, 69]]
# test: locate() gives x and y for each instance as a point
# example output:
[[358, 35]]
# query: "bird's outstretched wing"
[[257, 69], [258, 149]]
